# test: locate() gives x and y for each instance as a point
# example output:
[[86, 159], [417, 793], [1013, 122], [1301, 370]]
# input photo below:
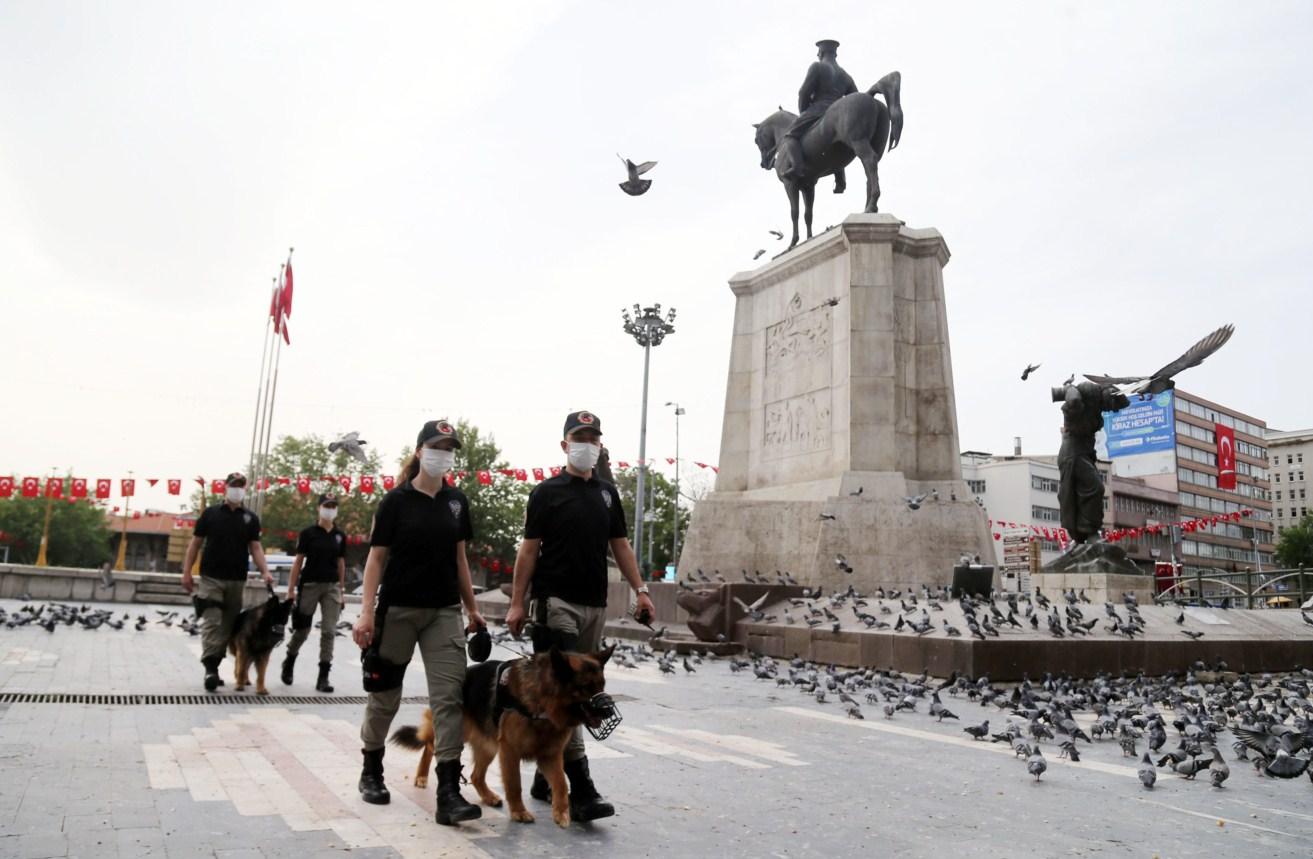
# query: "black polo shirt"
[[575, 519], [228, 534], [321, 549], [420, 534]]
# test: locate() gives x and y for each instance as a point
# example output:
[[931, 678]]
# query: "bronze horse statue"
[[855, 126]]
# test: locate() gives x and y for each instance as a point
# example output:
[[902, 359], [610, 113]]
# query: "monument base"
[[886, 543], [1102, 570]]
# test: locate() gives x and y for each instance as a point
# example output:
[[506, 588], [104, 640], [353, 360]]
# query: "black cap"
[[327, 498], [828, 45], [575, 420], [441, 428], [236, 477], [480, 645]]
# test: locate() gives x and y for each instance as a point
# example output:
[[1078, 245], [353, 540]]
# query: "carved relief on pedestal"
[[803, 336], [797, 425]]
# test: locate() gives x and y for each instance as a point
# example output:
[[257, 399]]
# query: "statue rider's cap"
[[831, 45]]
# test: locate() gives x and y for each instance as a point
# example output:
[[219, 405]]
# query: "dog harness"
[[505, 699]]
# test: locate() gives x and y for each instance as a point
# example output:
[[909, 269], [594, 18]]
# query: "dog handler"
[[229, 531], [571, 521], [320, 570], [416, 577]]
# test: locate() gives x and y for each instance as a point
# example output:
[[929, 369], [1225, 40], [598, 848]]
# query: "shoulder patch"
[[606, 496], [455, 507], [246, 517]]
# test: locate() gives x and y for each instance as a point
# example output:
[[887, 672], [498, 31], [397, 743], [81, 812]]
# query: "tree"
[[662, 522], [79, 532], [496, 511], [1295, 548]]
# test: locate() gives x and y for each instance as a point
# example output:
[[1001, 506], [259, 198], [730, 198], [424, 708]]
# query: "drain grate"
[[153, 700]]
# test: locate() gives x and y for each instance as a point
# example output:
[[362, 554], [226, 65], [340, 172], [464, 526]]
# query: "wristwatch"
[[643, 589]]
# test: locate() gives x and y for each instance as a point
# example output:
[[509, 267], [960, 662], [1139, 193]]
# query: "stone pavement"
[[705, 764]]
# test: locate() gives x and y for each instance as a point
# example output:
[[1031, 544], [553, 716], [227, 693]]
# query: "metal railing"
[[1243, 588]]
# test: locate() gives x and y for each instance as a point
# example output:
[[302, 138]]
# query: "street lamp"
[[674, 526], [648, 329]]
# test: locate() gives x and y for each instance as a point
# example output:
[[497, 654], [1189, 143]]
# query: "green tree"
[[1295, 548], [79, 532], [496, 511], [656, 486]]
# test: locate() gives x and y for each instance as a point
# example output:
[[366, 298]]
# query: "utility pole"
[[674, 550], [648, 329]]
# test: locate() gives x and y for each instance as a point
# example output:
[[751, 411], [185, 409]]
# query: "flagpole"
[[259, 386], [268, 427], [257, 465]]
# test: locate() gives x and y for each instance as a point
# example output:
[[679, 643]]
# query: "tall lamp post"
[[648, 329], [674, 527]]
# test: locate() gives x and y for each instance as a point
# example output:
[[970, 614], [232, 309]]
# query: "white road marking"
[[652, 744], [1206, 816], [738, 743]]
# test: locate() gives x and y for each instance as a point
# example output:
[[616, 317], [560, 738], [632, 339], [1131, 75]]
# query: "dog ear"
[[561, 665], [604, 654]]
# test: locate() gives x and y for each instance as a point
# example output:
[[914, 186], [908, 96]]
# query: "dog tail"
[[407, 736]]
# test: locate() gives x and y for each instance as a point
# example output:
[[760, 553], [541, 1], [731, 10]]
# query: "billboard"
[[1141, 438]]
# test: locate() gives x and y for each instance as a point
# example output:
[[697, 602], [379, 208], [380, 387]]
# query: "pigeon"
[[857, 493], [689, 668], [777, 234], [1285, 765], [757, 255], [1070, 379], [1035, 764], [754, 611], [978, 732], [1161, 380], [352, 444], [633, 186], [1146, 771], [1218, 771], [914, 502], [1030, 368], [1195, 635], [828, 517]]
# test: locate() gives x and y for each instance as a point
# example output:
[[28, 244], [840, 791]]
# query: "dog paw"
[[561, 818], [522, 816], [421, 781], [491, 800], [262, 691]]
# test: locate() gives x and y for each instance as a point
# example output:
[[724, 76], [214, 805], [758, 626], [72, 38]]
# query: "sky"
[[1114, 180]]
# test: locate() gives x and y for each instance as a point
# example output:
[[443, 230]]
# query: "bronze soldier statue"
[[826, 83], [1080, 489]]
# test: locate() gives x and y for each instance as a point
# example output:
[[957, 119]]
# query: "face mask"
[[235, 494], [436, 462], [582, 455], [328, 514]]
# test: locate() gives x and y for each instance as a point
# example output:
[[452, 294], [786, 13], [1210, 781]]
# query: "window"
[[1299, 457], [1043, 484], [1290, 476], [976, 487], [1281, 513], [1289, 459], [1045, 514], [1278, 494], [1301, 493]]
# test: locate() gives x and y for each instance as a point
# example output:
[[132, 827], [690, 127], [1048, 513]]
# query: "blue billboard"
[[1145, 426]]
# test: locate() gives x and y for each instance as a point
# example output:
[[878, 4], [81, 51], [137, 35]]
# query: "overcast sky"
[[1113, 180]]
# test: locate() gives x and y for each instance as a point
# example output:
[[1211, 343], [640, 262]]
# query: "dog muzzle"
[[602, 715]]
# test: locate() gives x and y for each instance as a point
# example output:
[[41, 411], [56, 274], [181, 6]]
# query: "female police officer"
[[416, 576]]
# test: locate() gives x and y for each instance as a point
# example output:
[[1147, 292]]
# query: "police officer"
[[229, 532], [572, 519], [416, 577], [320, 570]]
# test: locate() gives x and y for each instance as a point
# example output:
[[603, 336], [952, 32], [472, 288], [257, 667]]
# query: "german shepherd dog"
[[543, 698], [256, 633]]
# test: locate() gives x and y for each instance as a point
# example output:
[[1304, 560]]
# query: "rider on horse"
[[826, 83]]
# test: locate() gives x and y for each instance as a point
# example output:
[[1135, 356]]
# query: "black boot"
[[540, 789], [212, 680], [371, 786], [585, 802], [322, 684], [452, 807], [289, 661]]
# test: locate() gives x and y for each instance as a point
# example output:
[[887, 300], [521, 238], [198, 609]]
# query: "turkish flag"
[[622, 464], [152, 480], [367, 484], [556, 470], [303, 485], [670, 461], [54, 487], [284, 481], [79, 487], [127, 487], [285, 298], [537, 474], [345, 482], [485, 478], [6, 487], [102, 487], [521, 474], [136, 514], [388, 482], [217, 487], [1225, 456], [175, 486]]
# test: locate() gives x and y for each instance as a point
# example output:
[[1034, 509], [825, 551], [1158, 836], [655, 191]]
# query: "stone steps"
[[161, 593]]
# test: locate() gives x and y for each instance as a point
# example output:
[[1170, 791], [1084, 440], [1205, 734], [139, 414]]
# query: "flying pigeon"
[[351, 443], [914, 502], [759, 252], [634, 186], [1030, 368], [1162, 379], [777, 234]]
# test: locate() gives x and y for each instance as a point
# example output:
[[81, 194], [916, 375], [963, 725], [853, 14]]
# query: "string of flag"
[[1114, 535], [75, 488]]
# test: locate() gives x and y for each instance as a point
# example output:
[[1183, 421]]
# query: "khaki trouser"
[[585, 623], [327, 596], [440, 635], [216, 622]]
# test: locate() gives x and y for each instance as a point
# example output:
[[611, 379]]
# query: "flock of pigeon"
[[53, 615]]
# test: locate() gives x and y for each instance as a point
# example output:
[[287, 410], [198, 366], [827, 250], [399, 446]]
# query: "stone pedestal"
[[1102, 570], [839, 406]]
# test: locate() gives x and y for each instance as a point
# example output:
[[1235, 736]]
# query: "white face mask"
[[328, 514], [436, 462], [581, 455], [235, 494]]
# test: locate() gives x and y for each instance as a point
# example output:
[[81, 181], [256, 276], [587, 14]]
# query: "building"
[[1017, 492], [156, 540], [1132, 503], [1226, 546], [1289, 453]]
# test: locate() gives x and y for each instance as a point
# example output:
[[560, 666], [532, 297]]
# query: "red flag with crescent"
[[303, 485], [6, 487], [102, 487], [175, 485], [127, 487], [79, 488], [1225, 456]]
